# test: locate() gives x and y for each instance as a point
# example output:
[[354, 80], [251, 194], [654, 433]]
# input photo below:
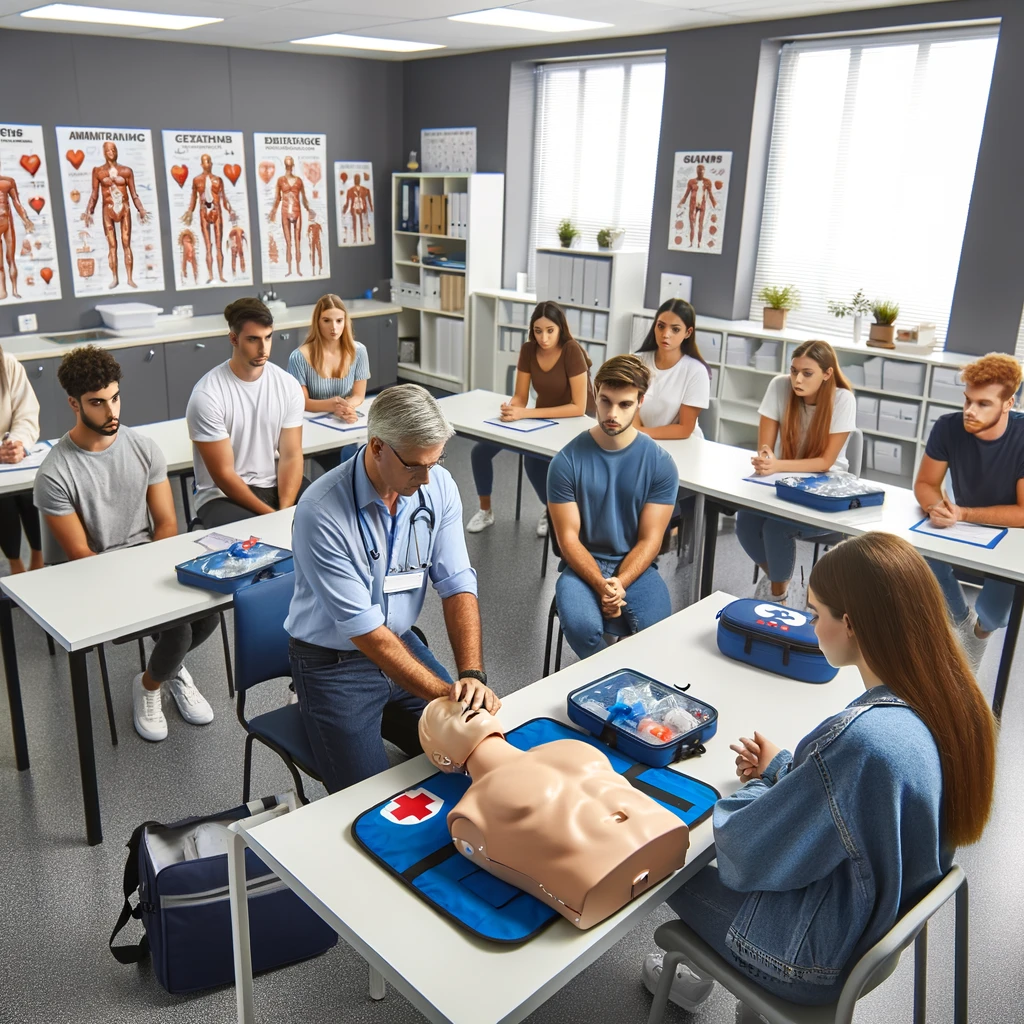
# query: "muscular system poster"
[[700, 189], [109, 186], [207, 193], [292, 200], [28, 246], [353, 202]]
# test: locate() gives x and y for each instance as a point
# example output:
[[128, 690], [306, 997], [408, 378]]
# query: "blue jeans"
[[349, 707], [992, 606], [709, 907], [772, 542], [482, 457], [579, 610]]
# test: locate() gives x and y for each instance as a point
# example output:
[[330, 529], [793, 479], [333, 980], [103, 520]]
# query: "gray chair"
[[878, 963]]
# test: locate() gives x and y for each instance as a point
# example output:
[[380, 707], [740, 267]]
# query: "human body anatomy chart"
[[292, 200], [28, 245], [700, 188], [209, 203], [109, 185], [354, 203]]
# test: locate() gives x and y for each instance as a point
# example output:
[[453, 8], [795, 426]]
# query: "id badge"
[[399, 582]]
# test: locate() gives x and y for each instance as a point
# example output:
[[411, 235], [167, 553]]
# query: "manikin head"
[[110, 152], [620, 386], [450, 732], [990, 386], [91, 377], [251, 330], [207, 161]]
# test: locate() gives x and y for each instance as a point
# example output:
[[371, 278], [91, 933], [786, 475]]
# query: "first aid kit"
[[829, 492], [227, 571]]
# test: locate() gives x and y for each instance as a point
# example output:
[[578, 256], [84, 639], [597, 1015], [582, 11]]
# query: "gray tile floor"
[[59, 898]]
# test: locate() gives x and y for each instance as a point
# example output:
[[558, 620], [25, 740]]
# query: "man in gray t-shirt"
[[103, 486]]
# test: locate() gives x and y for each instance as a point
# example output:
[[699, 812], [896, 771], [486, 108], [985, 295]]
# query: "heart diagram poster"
[[292, 200], [208, 198], [109, 186], [353, 203], [700, 188], [28, 245]]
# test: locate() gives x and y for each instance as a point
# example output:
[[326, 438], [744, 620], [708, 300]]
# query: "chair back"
[[708, 420], [261, 643], [53, 553], [855, 450]]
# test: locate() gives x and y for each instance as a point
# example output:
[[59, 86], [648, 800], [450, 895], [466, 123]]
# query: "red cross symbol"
[[412, 807]]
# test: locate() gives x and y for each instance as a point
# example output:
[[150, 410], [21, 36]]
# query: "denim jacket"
[[834, 842]]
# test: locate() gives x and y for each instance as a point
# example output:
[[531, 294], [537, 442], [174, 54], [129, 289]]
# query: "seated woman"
[[555, 365], [806, 419], [332, 368], [822, 850]]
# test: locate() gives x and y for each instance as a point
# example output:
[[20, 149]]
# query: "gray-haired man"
[[367, 537]]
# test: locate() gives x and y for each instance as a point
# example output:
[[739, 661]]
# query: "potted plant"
[[610, 238], [567, 233], [858, 306], [778, 301], [883, 333]]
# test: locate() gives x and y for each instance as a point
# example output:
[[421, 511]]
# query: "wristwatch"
[[472, 673]]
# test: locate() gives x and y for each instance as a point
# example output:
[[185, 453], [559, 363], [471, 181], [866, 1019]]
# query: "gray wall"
[[475, 89], [95, 80]]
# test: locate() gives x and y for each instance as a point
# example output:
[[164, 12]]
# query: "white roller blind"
[[596, 148], [872, 162]]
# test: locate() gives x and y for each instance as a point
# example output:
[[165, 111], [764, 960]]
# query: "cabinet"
[[187, 361], [55, 415], [143, 384], [285, 342]]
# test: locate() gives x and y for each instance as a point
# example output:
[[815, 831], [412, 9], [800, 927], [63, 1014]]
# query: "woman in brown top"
[[558, 369]]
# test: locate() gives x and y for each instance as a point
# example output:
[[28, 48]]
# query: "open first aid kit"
[[830, 492], [181, 874], [773, 637], [244, 562]]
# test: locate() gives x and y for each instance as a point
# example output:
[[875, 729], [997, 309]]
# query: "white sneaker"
[[192, 705], [480, 521], [690, 987], [542, 525], [148, 712], [974, 646]]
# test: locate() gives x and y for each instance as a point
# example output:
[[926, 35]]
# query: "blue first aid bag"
[[203, 571], [829, 492]]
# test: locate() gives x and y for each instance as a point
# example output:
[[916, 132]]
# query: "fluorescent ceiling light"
[[108, 16], [508, 17], [367, 43]]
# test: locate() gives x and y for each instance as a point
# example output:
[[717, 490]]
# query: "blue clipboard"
[[330, 421], [960, 540], [533, 425]]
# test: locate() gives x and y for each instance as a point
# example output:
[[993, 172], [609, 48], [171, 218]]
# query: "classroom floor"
[[60, 898]]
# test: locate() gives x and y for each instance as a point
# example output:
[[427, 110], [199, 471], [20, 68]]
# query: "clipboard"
[[523, 426], [987, 536], [332, 422]]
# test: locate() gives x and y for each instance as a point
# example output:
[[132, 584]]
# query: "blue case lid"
[[753, 617]]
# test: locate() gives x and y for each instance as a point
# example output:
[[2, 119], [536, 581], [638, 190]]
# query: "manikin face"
[[406, 470], [332, 324], [207, 161], [835, 635], [670, 332], [450, 731], [109, 151], [100, 410], [617, 408], [807, 376], [546, 333], [984, 407], [252, 344]]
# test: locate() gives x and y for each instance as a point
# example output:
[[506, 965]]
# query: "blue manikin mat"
[[408, 835]]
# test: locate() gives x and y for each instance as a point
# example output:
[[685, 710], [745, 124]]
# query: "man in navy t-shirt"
[[983, 449], [611, 492]]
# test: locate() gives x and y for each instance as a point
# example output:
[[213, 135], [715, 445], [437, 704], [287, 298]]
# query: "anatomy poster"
[[109, 185], [354, 203], [700, 188], [209, 202], [28, 246], [292, 200]]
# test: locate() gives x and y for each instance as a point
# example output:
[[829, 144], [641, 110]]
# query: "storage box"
[[767, 356], [854, 374], [873, 372], [888, 457], [128, 316], [867, 412], [739, 351], [898, 417], [902, 376], [934, 412], [947, 385], [710, 345]]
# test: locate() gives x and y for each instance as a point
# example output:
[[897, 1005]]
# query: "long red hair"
[[816, 441]]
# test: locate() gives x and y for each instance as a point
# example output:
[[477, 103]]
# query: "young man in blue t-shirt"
[[983, 449], [611, 492]]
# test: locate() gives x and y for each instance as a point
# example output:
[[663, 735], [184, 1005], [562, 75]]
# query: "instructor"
[[367, 537]]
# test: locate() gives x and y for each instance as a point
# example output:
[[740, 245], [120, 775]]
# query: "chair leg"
[[960, 961], [297, 779], [102, 656], [227, 656], [558, 650], [543, 558], [817, 552], [757, 569], [142, 655], [247, 767], [921, 975], [49, 645], [661, 993], [552, 612]]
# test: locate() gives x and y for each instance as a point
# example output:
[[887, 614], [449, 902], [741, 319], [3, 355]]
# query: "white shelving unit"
[[443, 336]]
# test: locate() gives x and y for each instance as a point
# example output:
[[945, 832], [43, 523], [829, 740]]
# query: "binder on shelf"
[[405, 216], [542, 276], [572, 316], [576, 291], [414, 212], [587, 323], [425, 214], [600, 327], [565, 278], [449, 228], [589, 282], [603, 283], [463, 215]]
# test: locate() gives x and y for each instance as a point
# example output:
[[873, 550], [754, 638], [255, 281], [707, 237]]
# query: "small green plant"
[[604, 238], [885, 311], [857, 306], [566, 232], [776, 297]]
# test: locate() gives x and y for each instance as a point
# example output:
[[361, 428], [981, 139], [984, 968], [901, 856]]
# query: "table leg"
[[519, 489], [240, 928], [707, 569], [698, 548], [1009, 645], [13, 685], [86, 754], [185, 504], [378, 987]]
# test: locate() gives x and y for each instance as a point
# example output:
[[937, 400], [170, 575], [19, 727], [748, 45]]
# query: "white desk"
[[448, 975]]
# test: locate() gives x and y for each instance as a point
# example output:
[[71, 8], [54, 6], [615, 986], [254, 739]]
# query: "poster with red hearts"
[[208, 199], [291, 196], [108, 182], [700, 190], [28, 243], [353, 202]]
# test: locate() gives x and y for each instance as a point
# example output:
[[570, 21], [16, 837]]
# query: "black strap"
[[411, 873], [632, 775], [131, 954]]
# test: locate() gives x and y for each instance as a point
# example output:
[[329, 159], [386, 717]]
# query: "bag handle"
[[138, 952]]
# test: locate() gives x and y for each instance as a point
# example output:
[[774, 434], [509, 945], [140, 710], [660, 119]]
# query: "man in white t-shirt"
[[245, 421]]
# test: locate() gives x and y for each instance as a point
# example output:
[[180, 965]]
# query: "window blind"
[[598, 124], [872, 161]]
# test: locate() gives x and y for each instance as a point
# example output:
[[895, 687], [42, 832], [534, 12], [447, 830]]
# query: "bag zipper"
[[256, 887], [783, 641]]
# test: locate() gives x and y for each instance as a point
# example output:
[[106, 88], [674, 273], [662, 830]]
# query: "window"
[[596, 148], [872, 163]]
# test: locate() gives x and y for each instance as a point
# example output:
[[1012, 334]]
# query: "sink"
[[79, 336]]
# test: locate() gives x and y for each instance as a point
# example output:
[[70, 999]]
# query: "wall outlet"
[[284, 336], [27, 323], [675, 286]]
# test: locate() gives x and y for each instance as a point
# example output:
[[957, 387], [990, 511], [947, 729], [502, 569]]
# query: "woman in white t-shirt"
[[680, 379], [806, 419]]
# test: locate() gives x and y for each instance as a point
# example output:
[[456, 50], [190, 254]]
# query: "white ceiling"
[[266, 25]]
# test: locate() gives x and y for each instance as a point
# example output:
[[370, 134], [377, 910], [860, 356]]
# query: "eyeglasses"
[[413, 467]]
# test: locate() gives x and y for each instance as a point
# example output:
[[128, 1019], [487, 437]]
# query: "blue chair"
[[261, 653]]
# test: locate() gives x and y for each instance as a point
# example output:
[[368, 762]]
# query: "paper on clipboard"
[[773, 478], [522, 426], [33, 458], [963, 533], [332, 422]]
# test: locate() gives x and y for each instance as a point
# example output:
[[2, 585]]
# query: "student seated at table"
[[680, 379], [822, 850], [102, 487], [611, 492], [332, 369], [245, 421], [19, 423], [806, 419], [983, 450], [555, 365]]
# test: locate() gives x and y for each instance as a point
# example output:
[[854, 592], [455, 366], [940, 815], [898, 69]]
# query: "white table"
[[448, 975]]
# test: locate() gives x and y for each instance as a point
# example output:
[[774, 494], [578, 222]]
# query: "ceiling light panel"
[[531, 21], [347, 42], [109, 16]]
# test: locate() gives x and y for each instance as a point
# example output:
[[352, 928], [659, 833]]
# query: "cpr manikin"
[[556, 821]]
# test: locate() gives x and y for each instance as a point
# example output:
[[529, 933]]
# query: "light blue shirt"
[[339, 586], [319, 387]]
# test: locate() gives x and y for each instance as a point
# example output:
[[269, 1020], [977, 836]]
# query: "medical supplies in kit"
[[829, 492]]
